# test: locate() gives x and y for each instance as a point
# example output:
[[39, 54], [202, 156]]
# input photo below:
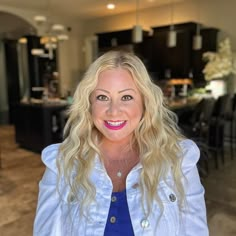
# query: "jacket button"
[[144, 223], [172, 197], [135, 186], [113, 199], [113, 219], [71, 198]]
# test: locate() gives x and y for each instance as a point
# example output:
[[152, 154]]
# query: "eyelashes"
[[102, 98], [127, 98], [106, 98]]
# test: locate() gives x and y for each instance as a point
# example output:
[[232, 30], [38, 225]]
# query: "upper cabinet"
[[171, 61], [181, 61], [114, 39], [162, 61], [118, 40]]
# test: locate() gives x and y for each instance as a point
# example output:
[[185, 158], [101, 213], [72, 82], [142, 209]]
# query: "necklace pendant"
[[119, 174]]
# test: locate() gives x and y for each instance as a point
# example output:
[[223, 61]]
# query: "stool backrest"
[[222, 106], [207, 110]]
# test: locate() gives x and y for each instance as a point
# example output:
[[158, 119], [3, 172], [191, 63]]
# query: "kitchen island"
[[38, 125]]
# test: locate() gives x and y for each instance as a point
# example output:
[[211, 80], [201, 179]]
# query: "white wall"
[[71, 58]]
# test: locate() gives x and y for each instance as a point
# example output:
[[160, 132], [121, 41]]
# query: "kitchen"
[[75, 54]]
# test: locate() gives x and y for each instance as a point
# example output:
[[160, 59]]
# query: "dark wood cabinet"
[[114, 39], [39, 125], [34, 62], [174, 61], [38, 68], [12, 73], [118, 40], [161, 61], [181, 61], [24, 71]]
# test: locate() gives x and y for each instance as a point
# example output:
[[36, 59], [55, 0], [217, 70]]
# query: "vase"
[[218, 87]]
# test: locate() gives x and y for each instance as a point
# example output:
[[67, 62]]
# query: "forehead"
[[117, 77]]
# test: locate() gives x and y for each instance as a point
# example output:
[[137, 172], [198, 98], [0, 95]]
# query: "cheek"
[[94, 112], [95, 116], [97, 111], [138, 110]]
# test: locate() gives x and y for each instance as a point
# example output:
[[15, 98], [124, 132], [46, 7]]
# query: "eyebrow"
[[124, 90]]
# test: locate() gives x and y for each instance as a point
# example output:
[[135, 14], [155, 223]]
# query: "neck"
[[117, 151], [119, 161]]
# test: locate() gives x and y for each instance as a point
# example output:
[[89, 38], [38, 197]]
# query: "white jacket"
[[54, 216]]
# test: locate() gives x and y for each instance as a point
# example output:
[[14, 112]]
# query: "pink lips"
[[115, 125]]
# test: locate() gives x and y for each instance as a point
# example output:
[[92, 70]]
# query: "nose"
[[113, 108]]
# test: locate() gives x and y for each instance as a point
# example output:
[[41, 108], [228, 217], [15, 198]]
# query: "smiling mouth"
[[115, 125]]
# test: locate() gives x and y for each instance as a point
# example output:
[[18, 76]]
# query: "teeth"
[[115, 123]]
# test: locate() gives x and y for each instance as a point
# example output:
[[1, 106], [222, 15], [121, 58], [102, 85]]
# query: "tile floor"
[[22, 169]]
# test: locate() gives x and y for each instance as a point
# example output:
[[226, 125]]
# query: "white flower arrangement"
[[219, 64]]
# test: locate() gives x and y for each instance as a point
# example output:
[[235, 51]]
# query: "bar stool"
[[233, 123], [197, 129], [201, 136], [231, 117], [216, 136]]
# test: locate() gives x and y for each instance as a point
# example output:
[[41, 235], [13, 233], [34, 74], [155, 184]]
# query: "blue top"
[[118, 221]]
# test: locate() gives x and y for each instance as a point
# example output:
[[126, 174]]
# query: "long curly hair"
[[156, 137]]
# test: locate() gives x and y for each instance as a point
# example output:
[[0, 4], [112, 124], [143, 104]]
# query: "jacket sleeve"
[[47, 219], [194, 212]]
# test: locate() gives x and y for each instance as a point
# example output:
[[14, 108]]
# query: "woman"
[[123, 167]]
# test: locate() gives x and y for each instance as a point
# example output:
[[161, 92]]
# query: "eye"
[[127, 98], [102, 98]]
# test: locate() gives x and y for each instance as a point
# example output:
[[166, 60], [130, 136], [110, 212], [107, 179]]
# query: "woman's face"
[[117, 105]]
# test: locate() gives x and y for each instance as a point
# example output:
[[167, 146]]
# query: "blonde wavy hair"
[[156, 137]]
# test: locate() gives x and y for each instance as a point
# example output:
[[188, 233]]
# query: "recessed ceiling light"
[[111, 6]]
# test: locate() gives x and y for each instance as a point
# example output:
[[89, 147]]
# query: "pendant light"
[[172, 34], [50, 35], [137, 32], [197, 38]]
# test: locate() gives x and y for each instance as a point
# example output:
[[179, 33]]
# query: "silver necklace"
[[122, 166], [119, 173]]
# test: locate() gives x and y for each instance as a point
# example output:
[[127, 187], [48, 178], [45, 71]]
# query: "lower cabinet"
[[39, 125]]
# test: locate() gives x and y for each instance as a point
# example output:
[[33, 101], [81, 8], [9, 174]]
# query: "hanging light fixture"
[[172, 34], [197, 38], [50, 35], [137, 32]]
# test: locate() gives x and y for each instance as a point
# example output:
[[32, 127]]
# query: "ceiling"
[[84, 9]]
